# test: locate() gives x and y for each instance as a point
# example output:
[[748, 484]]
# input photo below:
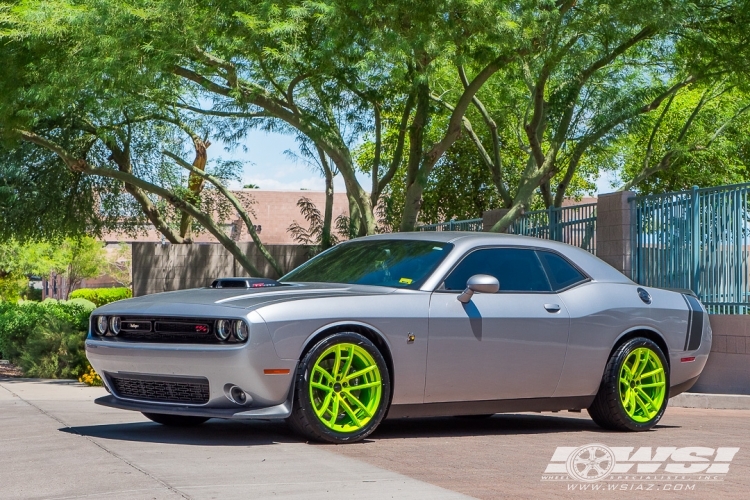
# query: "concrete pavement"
[[55, 443]]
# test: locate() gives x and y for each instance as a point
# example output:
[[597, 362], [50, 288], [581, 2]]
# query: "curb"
[[711, 401]]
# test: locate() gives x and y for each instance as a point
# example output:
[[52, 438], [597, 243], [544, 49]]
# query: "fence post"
[[551, 223], [695, 239], [450, 225], [613, 230]]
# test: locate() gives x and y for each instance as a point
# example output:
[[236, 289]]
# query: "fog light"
[[238, 395], [223, 329], [114, 325], [101, 325], [240, 330]]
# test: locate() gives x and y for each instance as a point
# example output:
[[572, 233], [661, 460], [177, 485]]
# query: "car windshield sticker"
[[406, 281]]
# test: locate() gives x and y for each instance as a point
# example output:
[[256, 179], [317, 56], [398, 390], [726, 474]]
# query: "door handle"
[[553, 308]]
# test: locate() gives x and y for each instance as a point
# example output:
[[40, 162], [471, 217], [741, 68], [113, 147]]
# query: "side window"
[[561, 273], [517, 270]]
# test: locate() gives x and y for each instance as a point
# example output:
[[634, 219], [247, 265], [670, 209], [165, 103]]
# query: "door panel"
[[497, 346]]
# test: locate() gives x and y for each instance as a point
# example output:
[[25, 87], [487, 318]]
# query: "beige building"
[[273, 212]]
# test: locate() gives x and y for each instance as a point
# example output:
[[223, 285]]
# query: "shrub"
[[101, 296], [19, 320], [54, 349]]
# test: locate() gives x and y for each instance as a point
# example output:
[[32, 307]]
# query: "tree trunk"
[[325, 240], [195, 184]]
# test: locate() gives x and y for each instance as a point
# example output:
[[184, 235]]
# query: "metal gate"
[[695, 239]]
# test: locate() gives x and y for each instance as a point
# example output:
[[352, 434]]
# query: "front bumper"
[[223, 366]]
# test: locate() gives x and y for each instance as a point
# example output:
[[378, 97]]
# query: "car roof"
[[596, 268]]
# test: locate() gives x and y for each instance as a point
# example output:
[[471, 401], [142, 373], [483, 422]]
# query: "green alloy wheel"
[[635, 388], [342, 390]]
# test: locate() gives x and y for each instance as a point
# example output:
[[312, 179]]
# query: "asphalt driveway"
[[56, 443]]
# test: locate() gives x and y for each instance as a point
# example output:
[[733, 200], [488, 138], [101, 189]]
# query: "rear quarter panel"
[[600, 313]]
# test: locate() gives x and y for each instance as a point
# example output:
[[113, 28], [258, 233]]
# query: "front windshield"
[[394, 263]]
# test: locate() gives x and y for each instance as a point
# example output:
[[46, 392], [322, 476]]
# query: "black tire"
[[476, 417], [607, 410], [175, 420], [304, 420]]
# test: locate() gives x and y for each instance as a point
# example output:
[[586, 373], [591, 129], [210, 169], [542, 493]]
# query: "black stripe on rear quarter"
[[695, 324]]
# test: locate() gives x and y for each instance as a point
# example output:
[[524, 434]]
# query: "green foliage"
[[17, 321], [384, 88], [54, 349], [101, 296], [75, 258]]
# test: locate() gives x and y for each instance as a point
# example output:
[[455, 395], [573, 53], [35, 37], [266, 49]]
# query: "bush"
[[101, 296], [54, 349], [19, 320]]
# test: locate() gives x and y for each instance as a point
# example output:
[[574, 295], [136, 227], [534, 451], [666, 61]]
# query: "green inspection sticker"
[[406, 281]]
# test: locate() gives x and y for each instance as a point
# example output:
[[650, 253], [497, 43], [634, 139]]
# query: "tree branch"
[[235, 203]]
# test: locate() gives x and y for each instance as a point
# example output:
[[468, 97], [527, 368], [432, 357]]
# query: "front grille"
[[165, 390], [169, 330]]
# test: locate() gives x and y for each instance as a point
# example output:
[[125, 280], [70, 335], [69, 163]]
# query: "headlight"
[[223, 329], [240, 330], [101, 325], [114, 325]]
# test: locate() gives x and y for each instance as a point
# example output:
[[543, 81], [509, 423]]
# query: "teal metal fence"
[[454, 225], [697, 239], [575, 225]]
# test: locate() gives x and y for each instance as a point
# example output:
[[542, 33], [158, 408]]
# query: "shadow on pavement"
[[499, 424], [213, 433], [259, 433]]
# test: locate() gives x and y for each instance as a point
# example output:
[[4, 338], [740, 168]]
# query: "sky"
[[268, 167]]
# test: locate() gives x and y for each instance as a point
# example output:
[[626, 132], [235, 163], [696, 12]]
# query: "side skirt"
[[488, 407]]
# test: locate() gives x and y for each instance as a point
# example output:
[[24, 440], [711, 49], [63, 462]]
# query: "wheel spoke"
[[653, 373], [361, 372], [357, 402], [648, 398], [635, 364], [324, 406], [324, 372], [337, 361], [349, 359], [644, 406], [654, 384], [644, 363], [365, 386], [349, 411], [322, 387], [334, 411]]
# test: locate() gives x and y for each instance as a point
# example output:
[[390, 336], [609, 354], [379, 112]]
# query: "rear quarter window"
[[562, 274]]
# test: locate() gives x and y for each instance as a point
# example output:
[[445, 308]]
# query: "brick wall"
[[728, 368]]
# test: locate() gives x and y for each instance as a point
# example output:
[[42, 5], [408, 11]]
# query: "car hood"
[[204, 301]]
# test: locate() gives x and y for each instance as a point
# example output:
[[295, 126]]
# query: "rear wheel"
[[175, 420], [342, 390], [635, 388]]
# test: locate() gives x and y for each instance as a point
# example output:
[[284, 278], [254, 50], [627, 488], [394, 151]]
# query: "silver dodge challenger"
[[406, 325]]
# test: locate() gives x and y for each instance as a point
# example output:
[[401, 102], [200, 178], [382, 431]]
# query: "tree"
[[79, 258], [124, 127], [698, 138]]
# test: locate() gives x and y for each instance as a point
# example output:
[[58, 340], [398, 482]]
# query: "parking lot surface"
[[56, 443]]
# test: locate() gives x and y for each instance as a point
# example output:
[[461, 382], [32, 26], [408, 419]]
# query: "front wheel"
[[342, 390], [635, 388], [175, 420]]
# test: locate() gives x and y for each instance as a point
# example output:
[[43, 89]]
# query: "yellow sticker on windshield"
[[406, 281]]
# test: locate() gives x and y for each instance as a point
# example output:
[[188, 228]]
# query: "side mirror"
[[482, 283]]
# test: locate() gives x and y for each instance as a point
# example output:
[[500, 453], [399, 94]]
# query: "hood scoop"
[[245, 283]]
